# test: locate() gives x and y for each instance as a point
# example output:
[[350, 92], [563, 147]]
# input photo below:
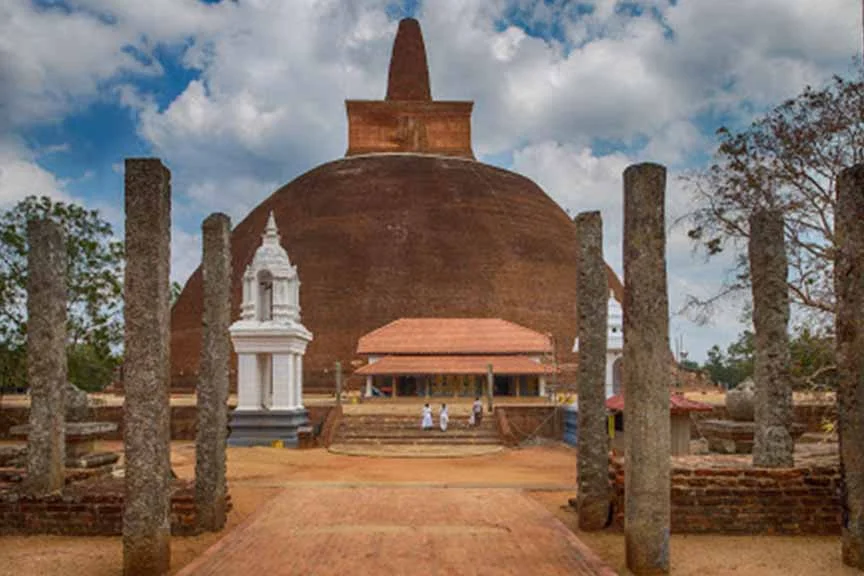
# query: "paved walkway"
[[378, 531]]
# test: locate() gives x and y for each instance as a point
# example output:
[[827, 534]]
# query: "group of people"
[[474, 419]]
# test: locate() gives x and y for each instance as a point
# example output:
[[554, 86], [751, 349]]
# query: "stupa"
[[407, 225]]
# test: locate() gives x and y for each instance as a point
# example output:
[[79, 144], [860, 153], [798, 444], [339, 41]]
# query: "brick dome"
[[407, 225]]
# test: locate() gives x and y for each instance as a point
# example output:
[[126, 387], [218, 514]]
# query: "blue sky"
[[240, 97]]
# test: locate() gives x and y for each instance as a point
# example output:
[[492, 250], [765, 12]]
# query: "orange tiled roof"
[[453, 365], [453, 336], [677, 404]]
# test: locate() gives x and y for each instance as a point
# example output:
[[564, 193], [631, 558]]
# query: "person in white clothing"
[[426, 423], [444, 418]]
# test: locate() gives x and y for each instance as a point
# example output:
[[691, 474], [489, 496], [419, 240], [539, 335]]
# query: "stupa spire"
[[271, 232], [408, 78]]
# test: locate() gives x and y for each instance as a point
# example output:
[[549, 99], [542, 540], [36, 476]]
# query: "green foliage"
[[811, 361], [735, 365], [94, 281], [176, 289]]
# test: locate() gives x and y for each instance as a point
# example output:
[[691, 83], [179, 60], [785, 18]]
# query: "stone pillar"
[[541, 386], [146, 412], [593, 455], [210, 444], [490, 386], [46, 356], [849, 290], [369, 387], [647, 371], [772, 444], [338, 383]]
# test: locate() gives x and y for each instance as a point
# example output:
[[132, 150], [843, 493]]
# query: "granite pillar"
[[593, 456], [849, 291], [772, 443], [490, 386], [146, 413], [646, 371], [46, 356], [338, 368], [210, 486]]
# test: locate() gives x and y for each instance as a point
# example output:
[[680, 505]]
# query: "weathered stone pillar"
[[773, 446], [46, 356], [210, 487], [646, 371], [593, 455], [849, 291], [146, 411]]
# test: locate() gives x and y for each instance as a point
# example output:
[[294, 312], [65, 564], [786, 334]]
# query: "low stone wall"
[[746, 500], [88, 509], [184, 420], [517, 423], [330, 426], [811, 416]]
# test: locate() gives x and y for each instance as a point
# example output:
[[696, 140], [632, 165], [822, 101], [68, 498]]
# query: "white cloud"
[[269, 103], [21, 176]]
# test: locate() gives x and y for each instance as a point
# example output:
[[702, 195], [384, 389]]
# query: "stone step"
[[444, 437], [421, 441]]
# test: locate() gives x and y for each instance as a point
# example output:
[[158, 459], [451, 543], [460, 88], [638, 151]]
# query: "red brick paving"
[[381, 531]]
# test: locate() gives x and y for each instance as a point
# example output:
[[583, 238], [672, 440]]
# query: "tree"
[[735, 365], [94, 280], [788, 159]]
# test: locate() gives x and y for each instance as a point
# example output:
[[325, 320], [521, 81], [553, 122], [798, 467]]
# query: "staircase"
[[404, 430]]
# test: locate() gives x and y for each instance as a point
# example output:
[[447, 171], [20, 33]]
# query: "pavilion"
[[451, 357]]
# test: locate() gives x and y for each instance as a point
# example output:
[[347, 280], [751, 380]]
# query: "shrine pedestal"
[[266, 427]]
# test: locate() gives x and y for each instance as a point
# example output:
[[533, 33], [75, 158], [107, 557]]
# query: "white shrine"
[[270, 342], [614, 345]]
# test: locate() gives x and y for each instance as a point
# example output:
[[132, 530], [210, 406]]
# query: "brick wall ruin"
[[746, 500]]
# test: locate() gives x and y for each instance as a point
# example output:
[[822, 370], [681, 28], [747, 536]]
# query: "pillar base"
[[264, 427]]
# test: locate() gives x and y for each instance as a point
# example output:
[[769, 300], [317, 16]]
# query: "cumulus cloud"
[[268, 100], [21, 176]]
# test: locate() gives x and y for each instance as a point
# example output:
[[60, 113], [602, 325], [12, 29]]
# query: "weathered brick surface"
[[390, 223], [89, 509], [747, 500], [517, 423]]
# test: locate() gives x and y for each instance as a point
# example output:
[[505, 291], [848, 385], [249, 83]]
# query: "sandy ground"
[[257, 474]]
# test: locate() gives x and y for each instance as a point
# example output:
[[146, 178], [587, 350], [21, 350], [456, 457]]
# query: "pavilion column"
[[46, 355], [146, 410], [593, 454], [647, 371], [395, 380], [773, 446], [541, 386], [490, 386], [368, 386], [849, 290]]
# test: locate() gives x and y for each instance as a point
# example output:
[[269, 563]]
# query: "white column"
[[282, 382], [265, 380], [368, 386], [541, 388], [298, 380], [248, 383], [290, 378]]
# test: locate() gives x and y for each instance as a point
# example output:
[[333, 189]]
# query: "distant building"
[[450, 357]]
